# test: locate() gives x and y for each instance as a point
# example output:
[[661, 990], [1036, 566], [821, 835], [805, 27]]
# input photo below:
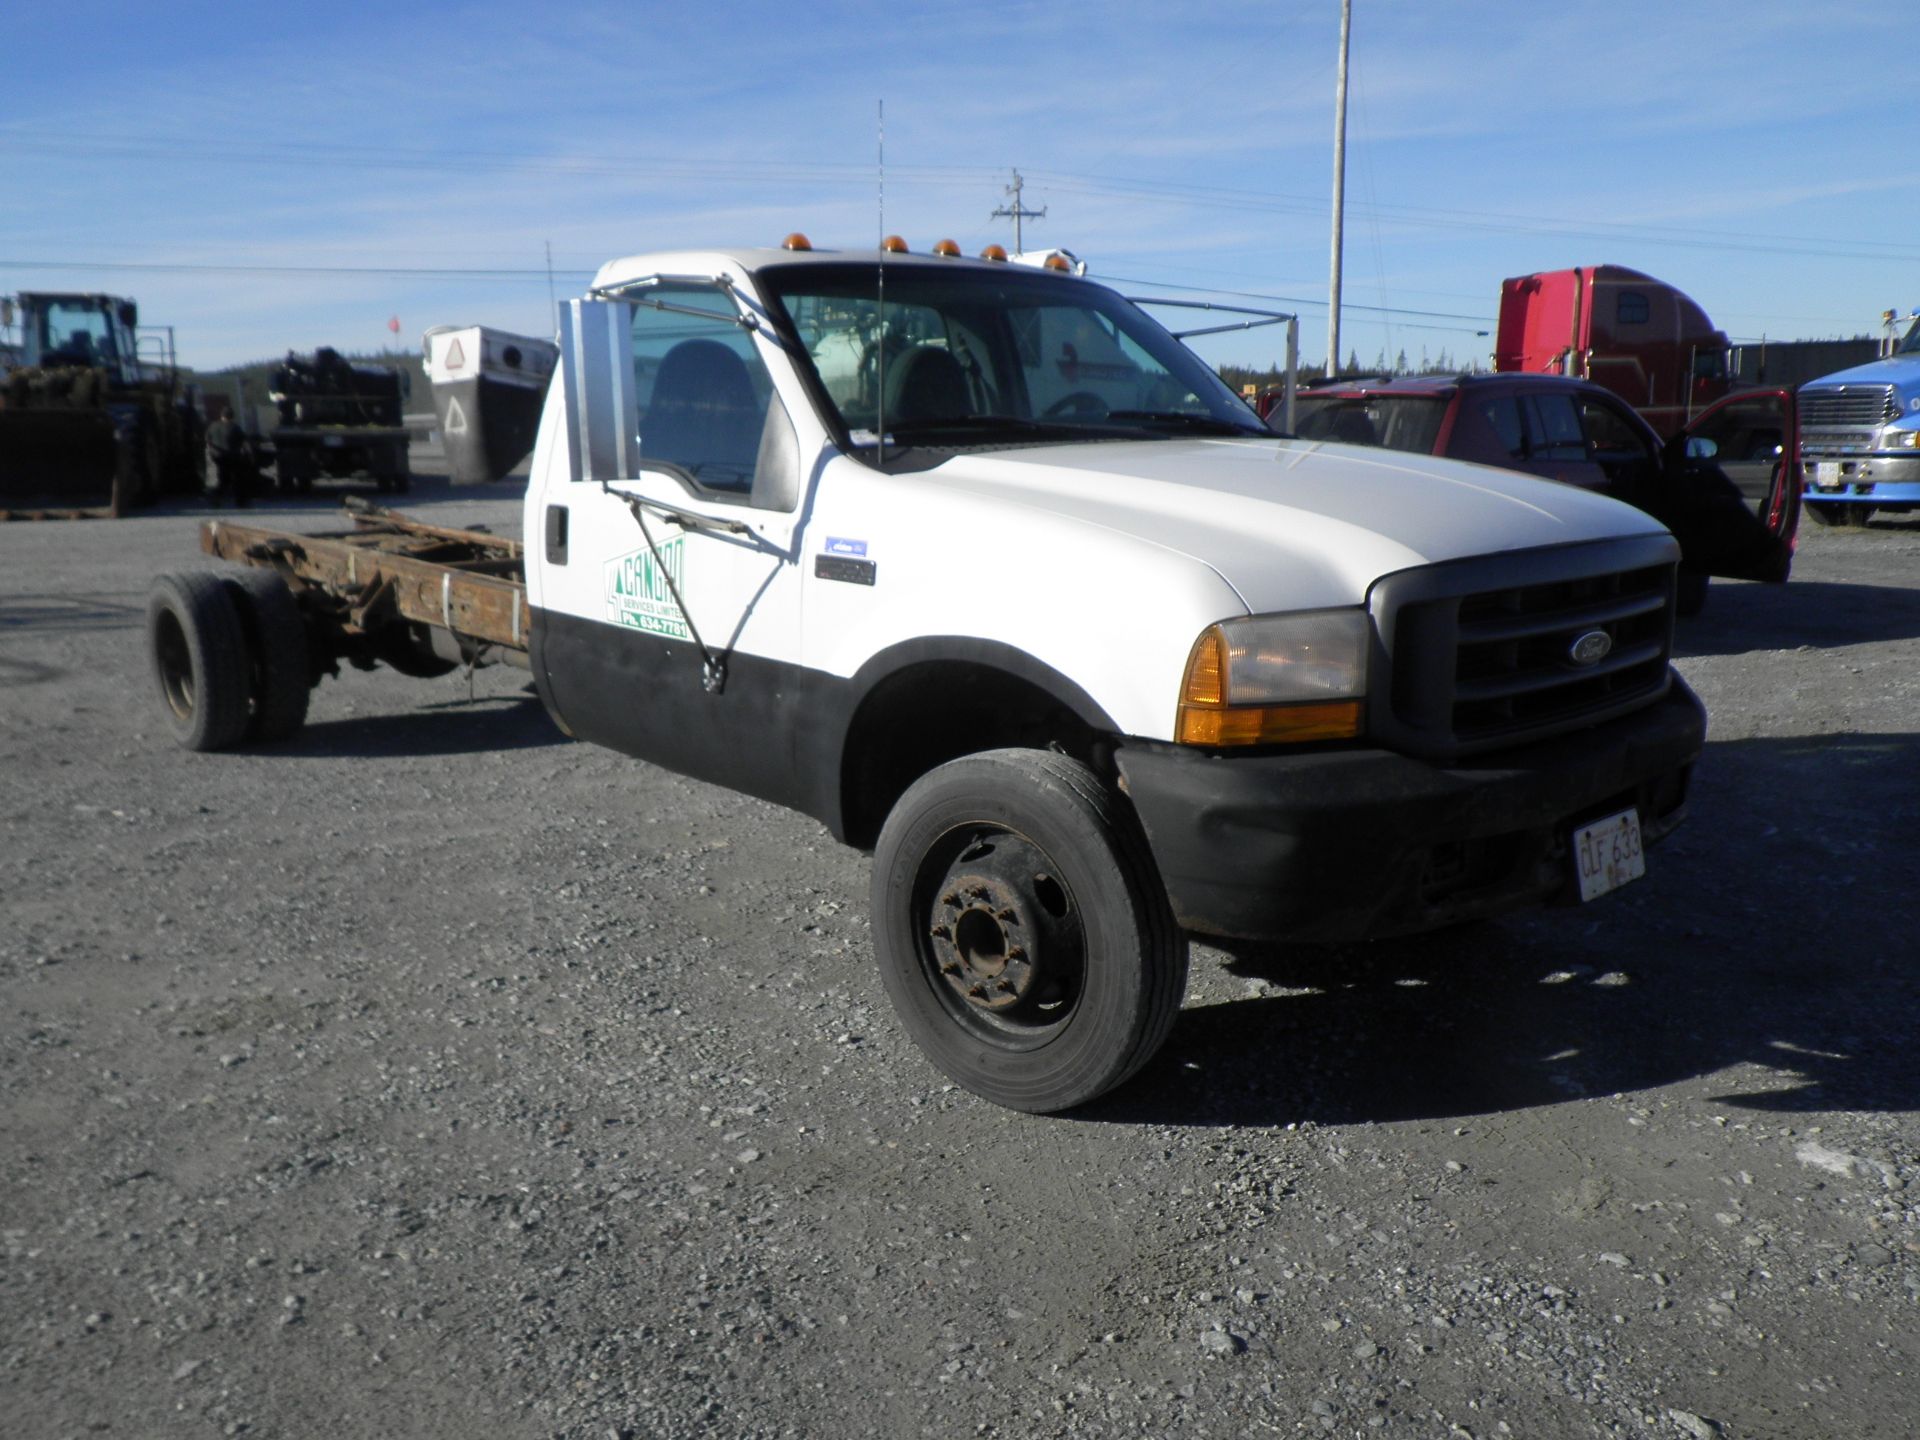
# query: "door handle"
[[556, 534]]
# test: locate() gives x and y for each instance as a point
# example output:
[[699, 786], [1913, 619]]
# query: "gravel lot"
[[434, 1076]]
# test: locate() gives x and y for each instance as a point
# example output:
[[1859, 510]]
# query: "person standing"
[[230, 468]]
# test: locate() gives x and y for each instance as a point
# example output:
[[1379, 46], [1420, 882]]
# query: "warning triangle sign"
[[456, 417], [456, 357]]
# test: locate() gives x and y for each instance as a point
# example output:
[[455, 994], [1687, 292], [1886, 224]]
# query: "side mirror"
[[1701, 448], [597, 390], [129, 314]]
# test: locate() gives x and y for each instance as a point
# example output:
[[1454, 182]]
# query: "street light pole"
[[1339, 188]]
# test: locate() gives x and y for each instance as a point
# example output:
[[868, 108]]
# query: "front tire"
[[1842, 513], [1023, 935]]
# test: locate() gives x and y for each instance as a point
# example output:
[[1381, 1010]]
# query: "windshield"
[[966, 357], [1398, 422], [76, 332]]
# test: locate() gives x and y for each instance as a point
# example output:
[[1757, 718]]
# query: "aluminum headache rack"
[[392, 569]]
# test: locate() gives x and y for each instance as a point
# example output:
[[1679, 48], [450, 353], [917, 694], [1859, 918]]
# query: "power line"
[[729, 168], [1294, 299], [392, 272]]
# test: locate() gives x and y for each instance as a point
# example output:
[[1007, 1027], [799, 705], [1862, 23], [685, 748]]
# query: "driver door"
[[1755, 442], [671, 605], [1751, 441]]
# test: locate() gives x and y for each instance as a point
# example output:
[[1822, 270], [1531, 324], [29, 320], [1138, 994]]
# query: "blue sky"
[[262, 178]]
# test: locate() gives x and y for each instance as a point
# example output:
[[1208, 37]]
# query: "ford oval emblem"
[[1590, 648]]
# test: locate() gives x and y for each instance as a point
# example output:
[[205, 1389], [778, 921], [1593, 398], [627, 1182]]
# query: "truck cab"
[[81, 330], [1860, 437], [916, 544], [1623, 330]]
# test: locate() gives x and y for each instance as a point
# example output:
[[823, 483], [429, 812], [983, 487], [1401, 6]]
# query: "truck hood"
[[1902, 371], [1293, 523]]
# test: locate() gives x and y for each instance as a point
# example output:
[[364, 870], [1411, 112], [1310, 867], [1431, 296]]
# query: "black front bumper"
[[1353, 844]]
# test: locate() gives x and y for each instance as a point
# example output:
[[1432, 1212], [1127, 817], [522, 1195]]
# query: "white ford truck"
[[982, 568]]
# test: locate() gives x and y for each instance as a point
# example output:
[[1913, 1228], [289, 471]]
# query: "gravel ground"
[[434, 1076]]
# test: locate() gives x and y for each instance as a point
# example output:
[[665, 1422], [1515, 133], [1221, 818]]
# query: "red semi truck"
[[1637, 336]]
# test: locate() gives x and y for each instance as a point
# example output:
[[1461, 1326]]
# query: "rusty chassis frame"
[[392, 570]]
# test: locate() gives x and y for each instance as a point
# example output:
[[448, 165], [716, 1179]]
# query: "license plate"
[[1607, 854], [1826, 474]]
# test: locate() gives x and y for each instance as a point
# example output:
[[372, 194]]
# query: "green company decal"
[[637, 592]]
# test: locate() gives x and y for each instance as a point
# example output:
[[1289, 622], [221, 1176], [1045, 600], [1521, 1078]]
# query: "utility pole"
[[1016, 212], [1339, 187]]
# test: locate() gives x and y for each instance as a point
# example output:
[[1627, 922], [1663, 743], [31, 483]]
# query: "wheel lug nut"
[[1006, 987], [977, 992], [1007, 914], [952, 967], [952, 897], [941, 932], [1017, 952]]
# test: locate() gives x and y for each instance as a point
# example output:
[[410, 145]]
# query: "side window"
[[1553, 428], [1502, 414], [1631, 308], [1074, 363], [1744, 429], [703, 391], [1614, 437]]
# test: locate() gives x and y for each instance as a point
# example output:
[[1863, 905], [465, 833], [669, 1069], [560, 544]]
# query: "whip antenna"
[[880, 339]]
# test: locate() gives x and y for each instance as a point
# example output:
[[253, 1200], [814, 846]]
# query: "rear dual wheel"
[[1023, 935], [229, 656], [280, 678], [199, 658]]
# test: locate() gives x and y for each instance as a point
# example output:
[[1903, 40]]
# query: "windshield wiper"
[[1017, 424], [1186, 420]]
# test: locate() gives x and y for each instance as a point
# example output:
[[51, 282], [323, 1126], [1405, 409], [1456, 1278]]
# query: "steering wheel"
[[1078, 402]]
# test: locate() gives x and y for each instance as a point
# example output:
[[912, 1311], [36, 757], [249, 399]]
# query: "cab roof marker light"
[[994, 252], [894, 245], [796, 241], [947, 249]]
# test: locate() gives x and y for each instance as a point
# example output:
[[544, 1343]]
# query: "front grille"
[[1512, 673], [1487, 666], [1849, 405]]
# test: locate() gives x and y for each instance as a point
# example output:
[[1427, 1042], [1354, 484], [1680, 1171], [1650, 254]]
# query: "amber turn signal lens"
[[796, 241], [1205, 717], [1206, 681], [1267, 724]]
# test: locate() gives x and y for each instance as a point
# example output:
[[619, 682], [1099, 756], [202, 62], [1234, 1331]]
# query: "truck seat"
[[703, 416], [928, 384]]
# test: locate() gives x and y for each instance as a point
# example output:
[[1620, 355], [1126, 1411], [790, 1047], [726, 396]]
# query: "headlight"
[[1276, 679]]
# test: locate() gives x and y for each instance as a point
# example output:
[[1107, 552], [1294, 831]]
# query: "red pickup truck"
[[1718, 485]]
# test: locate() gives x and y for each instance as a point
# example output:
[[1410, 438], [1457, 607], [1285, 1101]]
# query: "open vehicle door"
[[1751, 442]]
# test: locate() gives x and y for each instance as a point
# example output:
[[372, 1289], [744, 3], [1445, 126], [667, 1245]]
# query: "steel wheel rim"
[[176, 665], [1001, 941]]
